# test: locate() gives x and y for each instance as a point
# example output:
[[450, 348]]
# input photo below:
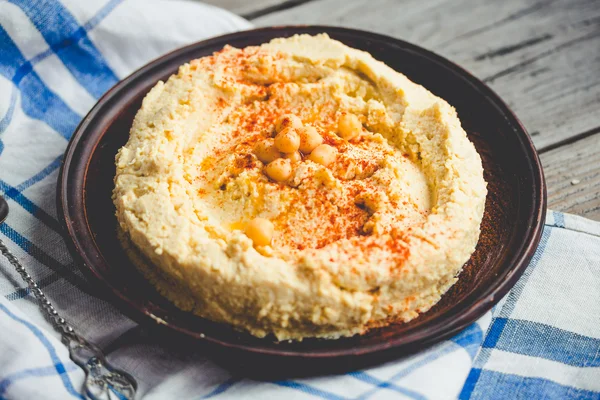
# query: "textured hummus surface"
[[375, 237]]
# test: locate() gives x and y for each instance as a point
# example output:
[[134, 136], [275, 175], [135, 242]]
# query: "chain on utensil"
[[45, 304], [102, 380]]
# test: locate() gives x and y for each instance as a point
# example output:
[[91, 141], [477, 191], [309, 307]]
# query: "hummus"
[[300, 188]]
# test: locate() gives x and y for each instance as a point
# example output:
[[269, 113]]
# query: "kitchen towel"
[[56, 59]]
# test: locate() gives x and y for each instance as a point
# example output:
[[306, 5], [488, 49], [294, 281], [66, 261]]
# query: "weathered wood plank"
[[573, 177], [543, 58], [250, 9]]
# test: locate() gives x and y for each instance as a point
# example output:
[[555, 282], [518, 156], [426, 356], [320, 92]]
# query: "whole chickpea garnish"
[[260, 231], [287, 140], [294, 157], [266, 151], [288, 121], [309, 139], [280, 170], [324, 154], [349, 126]]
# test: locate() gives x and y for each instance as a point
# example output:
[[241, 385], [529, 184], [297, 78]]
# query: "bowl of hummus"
[[278, 189]]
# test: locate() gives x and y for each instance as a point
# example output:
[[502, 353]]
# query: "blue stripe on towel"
[[5, 121], [221, 388], [45, 259], [309, 390], [37, 101], [32, 373], [469, 339], [507, 385], [434, 354], [42, 283], [559, 219], [70, 43], [545, 341], [100, 15], [363, 376], [55, 164], [12, 193], [499, 323], [58, 365]]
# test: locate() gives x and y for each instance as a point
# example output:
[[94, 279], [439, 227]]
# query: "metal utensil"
[[103, 381]]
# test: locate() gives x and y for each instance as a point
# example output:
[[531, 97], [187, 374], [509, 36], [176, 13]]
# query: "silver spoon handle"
[[102, 380]]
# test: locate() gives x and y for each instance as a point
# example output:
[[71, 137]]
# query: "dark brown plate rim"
[[71, 211]]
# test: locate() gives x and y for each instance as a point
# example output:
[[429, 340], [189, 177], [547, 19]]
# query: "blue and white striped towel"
[[56, 59]]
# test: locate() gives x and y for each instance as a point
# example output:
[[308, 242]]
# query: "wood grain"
[[573, 177], [543, 58], [252, 9], [243, 7]]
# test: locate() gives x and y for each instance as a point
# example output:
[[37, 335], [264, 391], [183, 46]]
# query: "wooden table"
[[542, 57]]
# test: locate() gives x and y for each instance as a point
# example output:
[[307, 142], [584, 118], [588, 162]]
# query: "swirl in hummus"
[[300, 188]]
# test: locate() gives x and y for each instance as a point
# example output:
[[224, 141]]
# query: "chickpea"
[[266, 151], [294, 157], [279, 170], [288, 121], [324, 154], [260, 231], [349, 126], [309, 139], [287, 141]]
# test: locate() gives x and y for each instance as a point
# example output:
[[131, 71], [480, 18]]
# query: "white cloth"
[[56, 59]]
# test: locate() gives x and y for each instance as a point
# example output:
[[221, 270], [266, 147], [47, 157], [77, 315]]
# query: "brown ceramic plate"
[[511, 228]]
